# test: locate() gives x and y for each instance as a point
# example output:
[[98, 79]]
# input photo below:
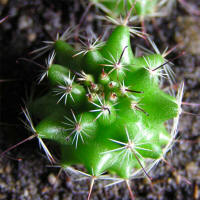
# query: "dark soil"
[[33, 21]]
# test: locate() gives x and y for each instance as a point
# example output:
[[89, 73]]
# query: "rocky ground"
[[33, 21]]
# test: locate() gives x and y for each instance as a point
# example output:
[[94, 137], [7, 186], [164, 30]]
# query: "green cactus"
[[142, 8], [105, 107]]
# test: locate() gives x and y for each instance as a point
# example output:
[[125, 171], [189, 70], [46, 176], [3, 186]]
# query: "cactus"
[[105, 108], [142, 9], [139, 11]]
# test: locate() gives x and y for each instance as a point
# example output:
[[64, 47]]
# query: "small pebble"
[[193, 171], [52, 179], [45, 190], [32, 37], [8, 169], [26, 193], [25, 22], [3, 2]]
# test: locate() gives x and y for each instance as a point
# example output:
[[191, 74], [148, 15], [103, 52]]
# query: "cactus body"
[[142, 8], [105, 107]]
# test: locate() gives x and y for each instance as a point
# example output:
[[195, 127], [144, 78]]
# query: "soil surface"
[[31, 178]]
